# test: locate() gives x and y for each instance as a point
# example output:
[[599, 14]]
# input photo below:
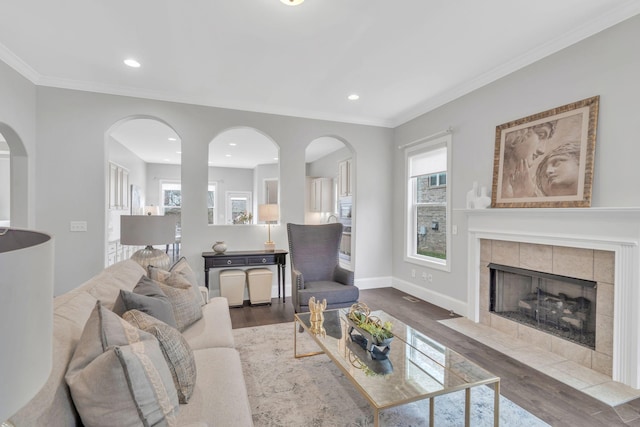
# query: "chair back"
[[314, 249]]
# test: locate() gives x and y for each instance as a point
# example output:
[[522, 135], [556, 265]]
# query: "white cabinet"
[[344, 178], [118, 187], [321, 195]]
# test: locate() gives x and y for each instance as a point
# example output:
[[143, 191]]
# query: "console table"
[[249, 259]]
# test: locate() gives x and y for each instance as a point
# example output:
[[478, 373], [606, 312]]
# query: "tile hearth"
[[586, 380]]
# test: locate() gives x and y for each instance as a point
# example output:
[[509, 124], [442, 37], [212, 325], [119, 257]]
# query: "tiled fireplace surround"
[[588, 264], [600, 244]]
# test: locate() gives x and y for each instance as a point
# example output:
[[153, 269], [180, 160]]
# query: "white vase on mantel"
[[220, 247], [484, 201]]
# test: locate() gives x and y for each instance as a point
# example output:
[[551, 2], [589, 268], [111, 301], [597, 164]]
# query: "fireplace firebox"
[[558, 305]]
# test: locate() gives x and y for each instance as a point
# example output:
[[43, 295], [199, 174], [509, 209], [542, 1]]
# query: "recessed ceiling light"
[[353, 97], [167, 160], [132, 63], [232, 144], [173, 139], [292, 2], [178, 152], [227, 155]]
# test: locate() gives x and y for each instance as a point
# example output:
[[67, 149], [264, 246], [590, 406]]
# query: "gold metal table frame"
[[417, 367]]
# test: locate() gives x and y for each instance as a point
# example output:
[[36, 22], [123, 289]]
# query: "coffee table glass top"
[[416, 367]]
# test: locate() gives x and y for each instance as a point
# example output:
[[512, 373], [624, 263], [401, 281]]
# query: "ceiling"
[[402, 58]]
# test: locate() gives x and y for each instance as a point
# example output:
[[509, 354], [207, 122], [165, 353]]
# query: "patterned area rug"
[[312, 391]]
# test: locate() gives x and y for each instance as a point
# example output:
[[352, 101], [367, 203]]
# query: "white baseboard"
[[435, 298], [374, 282]]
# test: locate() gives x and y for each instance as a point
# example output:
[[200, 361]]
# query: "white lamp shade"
[[147, 230], [268, 213], [26, 316], [152, 210]]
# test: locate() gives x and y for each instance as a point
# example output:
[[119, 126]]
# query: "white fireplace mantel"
[[608, 229]]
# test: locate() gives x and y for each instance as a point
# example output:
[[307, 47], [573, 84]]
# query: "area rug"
[[288, 392]]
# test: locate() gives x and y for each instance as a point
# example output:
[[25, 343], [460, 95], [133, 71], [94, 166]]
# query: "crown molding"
[[12, 60], [625, 11]]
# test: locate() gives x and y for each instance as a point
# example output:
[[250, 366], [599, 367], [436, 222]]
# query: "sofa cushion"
[[180, 270], [118, 375], [175, 349], [186, 309], [148, 298], [214, 329], [220, 394]]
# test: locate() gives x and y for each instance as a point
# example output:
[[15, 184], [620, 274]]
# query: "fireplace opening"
[[559, 305]]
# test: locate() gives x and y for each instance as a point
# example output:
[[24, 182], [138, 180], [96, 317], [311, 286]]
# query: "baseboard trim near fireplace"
[[431, 296], [583, 379]]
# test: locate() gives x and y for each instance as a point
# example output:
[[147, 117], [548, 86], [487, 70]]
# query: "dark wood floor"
[[550, 400]]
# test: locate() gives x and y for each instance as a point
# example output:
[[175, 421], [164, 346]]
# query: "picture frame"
[[546, 160]]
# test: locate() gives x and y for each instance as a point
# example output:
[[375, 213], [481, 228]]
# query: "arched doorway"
[[330, 189], [243, 173], [143, 177], [13, 179]]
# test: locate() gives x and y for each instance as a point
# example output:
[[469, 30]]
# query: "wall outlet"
[[424, 276], [430, 278], [413, 272], [78, 226], [454, 229]]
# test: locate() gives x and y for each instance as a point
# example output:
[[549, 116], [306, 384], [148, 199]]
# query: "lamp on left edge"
[[26, 316], [149, 230]]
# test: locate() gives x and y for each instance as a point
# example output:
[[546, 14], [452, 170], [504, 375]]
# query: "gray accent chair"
[[315, 269]]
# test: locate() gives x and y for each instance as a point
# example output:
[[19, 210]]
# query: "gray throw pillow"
[[148, 298], [118, 375], [186, 310], [180, 271], [175, 348]]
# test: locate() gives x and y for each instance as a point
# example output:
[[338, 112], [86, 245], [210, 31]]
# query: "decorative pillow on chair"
[[175, 349], [179, 270], [148, 298], [118, 375], [186, 309]]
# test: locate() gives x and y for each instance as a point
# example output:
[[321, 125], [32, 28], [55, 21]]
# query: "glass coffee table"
[[415, 368]]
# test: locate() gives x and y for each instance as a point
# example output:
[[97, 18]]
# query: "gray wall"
[[71, 182], [607, 64], [18, 126], [5, 179]]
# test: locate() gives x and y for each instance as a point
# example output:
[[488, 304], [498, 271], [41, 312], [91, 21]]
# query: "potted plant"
[[371, 329]]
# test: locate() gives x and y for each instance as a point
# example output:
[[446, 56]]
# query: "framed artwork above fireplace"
[[546, 159]]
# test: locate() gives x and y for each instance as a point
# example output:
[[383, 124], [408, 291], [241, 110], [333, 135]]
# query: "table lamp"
[[149, 230], [152, 210], [269, 213], [26, 316]]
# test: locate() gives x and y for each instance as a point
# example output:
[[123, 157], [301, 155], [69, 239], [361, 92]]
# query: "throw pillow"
[[186, 309], [148, 298], [175, 349], [118, 375], [180, 269]]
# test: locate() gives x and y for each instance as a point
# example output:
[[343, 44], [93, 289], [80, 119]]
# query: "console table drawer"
[[224, 262], [266, 259]]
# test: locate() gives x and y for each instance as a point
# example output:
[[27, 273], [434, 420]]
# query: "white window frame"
[[169, 183], [410, 256], [237, 194]]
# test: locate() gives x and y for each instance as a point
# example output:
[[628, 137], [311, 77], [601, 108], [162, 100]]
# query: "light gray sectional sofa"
[[219, 397]]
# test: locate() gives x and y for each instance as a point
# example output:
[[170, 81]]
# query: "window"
[[428, 203], [239, 207], [212, 212], [172, 200]]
